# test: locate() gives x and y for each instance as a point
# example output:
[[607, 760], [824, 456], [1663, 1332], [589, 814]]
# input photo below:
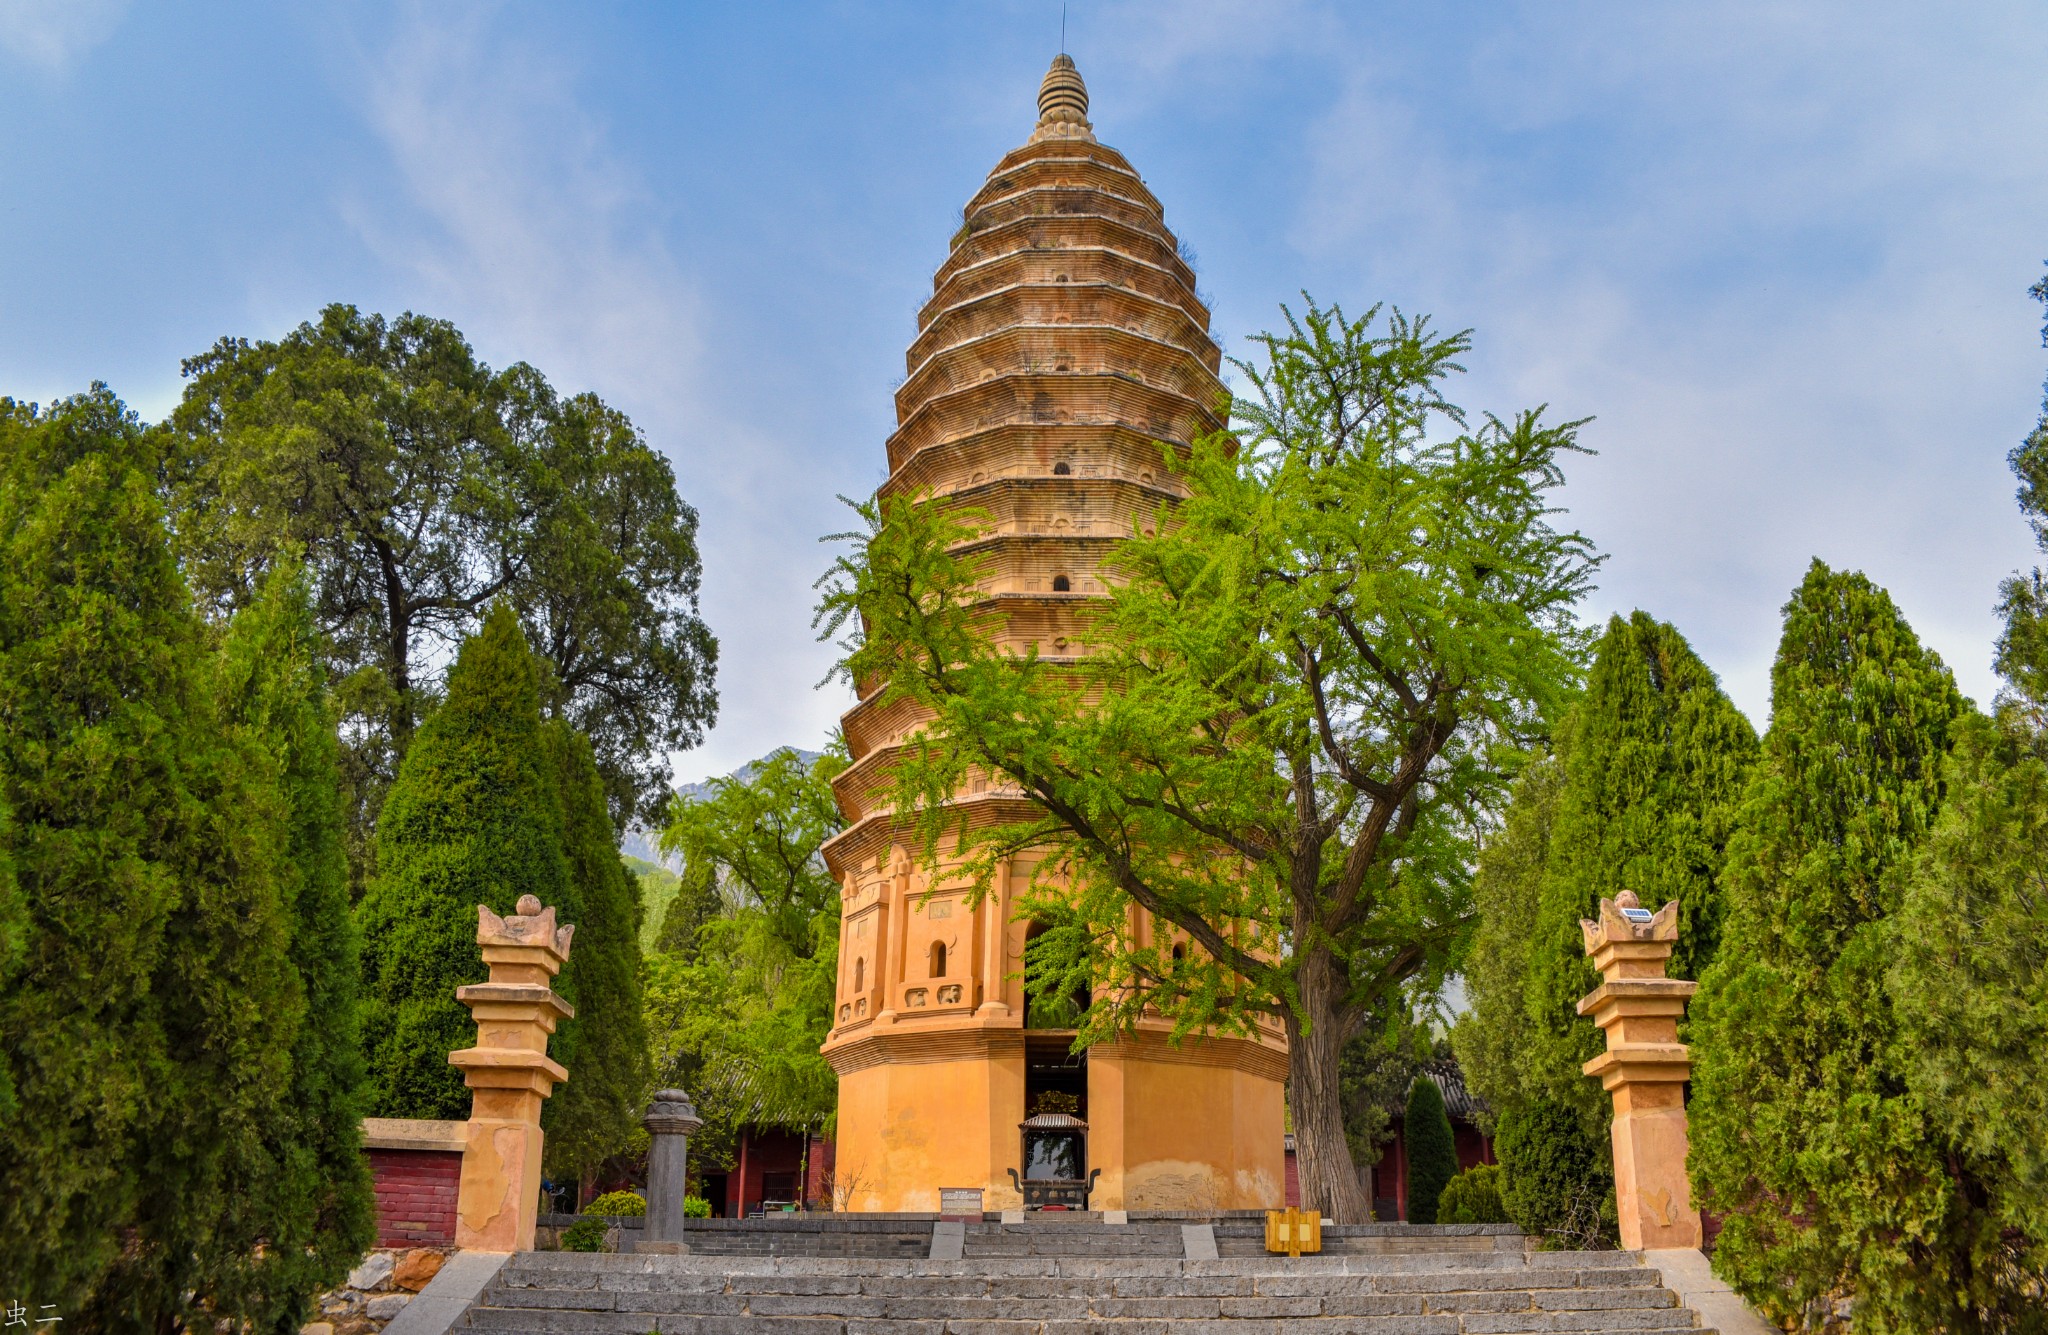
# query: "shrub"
[[585, 1235], [696, 1207], [1473, 1197], [1432, 1149], [1556, 1176], [618, 1205]]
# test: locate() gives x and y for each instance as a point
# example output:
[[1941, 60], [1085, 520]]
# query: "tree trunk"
[[1322, 1156]]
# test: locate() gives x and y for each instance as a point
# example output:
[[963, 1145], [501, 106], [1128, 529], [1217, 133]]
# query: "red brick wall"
[[823, 1160], [416, 1192]]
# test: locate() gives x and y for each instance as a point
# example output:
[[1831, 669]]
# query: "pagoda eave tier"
[[1036, 450], [870, 838], [1095, 167], [1037, 260], [1053, 398], [1100, 348], [882, 719], [1066, 305]]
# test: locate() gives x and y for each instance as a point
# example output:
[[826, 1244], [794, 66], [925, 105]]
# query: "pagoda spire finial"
[[1063, 103]]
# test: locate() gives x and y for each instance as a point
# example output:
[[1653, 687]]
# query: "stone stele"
[[510, 1075], [1644, 1069]]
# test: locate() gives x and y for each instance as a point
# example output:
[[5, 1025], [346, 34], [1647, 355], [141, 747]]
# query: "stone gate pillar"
[[509, 1075], [670, 1121], [1644, 1068]]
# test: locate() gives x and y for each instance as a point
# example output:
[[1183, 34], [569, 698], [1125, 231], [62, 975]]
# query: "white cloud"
[[521, 215], [524, 225], [1780, 255], [54, 33]]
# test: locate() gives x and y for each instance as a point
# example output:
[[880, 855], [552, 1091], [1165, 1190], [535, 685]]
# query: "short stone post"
[[509, 1075], [670, 1121], [1644, 1068]]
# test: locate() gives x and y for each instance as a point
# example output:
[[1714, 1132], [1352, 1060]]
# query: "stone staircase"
[[1445, 1293]]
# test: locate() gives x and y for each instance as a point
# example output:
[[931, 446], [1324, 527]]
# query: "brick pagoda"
[[1063, 343]]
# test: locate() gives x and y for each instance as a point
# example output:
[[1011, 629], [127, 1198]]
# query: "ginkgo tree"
[[1300, 703]]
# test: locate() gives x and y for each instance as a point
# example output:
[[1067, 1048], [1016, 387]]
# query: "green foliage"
[[153, 1027], [1473, 1197], [1968, 976], [692, 902], [1968, 981], [1374, 1073], [472, 819], [1299, 694], [1804, 1130], [2022, 656], [97, 687], [1432, 1149], [618, 1205], [658, 887], [1496, 1034], [421, 486], [596, 1114], [587, 1234], [696, 1207], [1656, 767], [296, 1201], [1556, 1175], [740, 995]]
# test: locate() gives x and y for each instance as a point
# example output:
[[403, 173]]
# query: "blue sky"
[[1780, 253]]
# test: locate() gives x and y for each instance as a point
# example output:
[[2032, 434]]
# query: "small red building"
[[774, 1168], [1390, 1174]]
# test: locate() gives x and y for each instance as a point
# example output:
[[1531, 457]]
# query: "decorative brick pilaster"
[[510, 1075], [1644, 1068]]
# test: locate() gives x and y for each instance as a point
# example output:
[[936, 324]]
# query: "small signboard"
[[960, 1202], [1294, 1231]]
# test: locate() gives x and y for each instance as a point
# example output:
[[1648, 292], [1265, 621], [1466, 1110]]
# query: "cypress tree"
[[1658, 762], [1969, 982], [149, 1024], [1432, 1149], [472, 818], [1969, 973], [97, 647], [595, 1114], [1803, 1130], [304, 1193]]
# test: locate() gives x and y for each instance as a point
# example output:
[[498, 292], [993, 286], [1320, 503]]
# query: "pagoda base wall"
[[1194, 1127], [918, 1120]]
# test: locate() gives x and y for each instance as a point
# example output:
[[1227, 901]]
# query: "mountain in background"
[[659, 876]]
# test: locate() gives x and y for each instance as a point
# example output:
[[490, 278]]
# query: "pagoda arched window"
[[938, 959]]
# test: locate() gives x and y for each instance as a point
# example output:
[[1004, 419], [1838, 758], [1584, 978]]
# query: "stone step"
[[501, 1322], [1473, 1272], [1456, 1293]]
